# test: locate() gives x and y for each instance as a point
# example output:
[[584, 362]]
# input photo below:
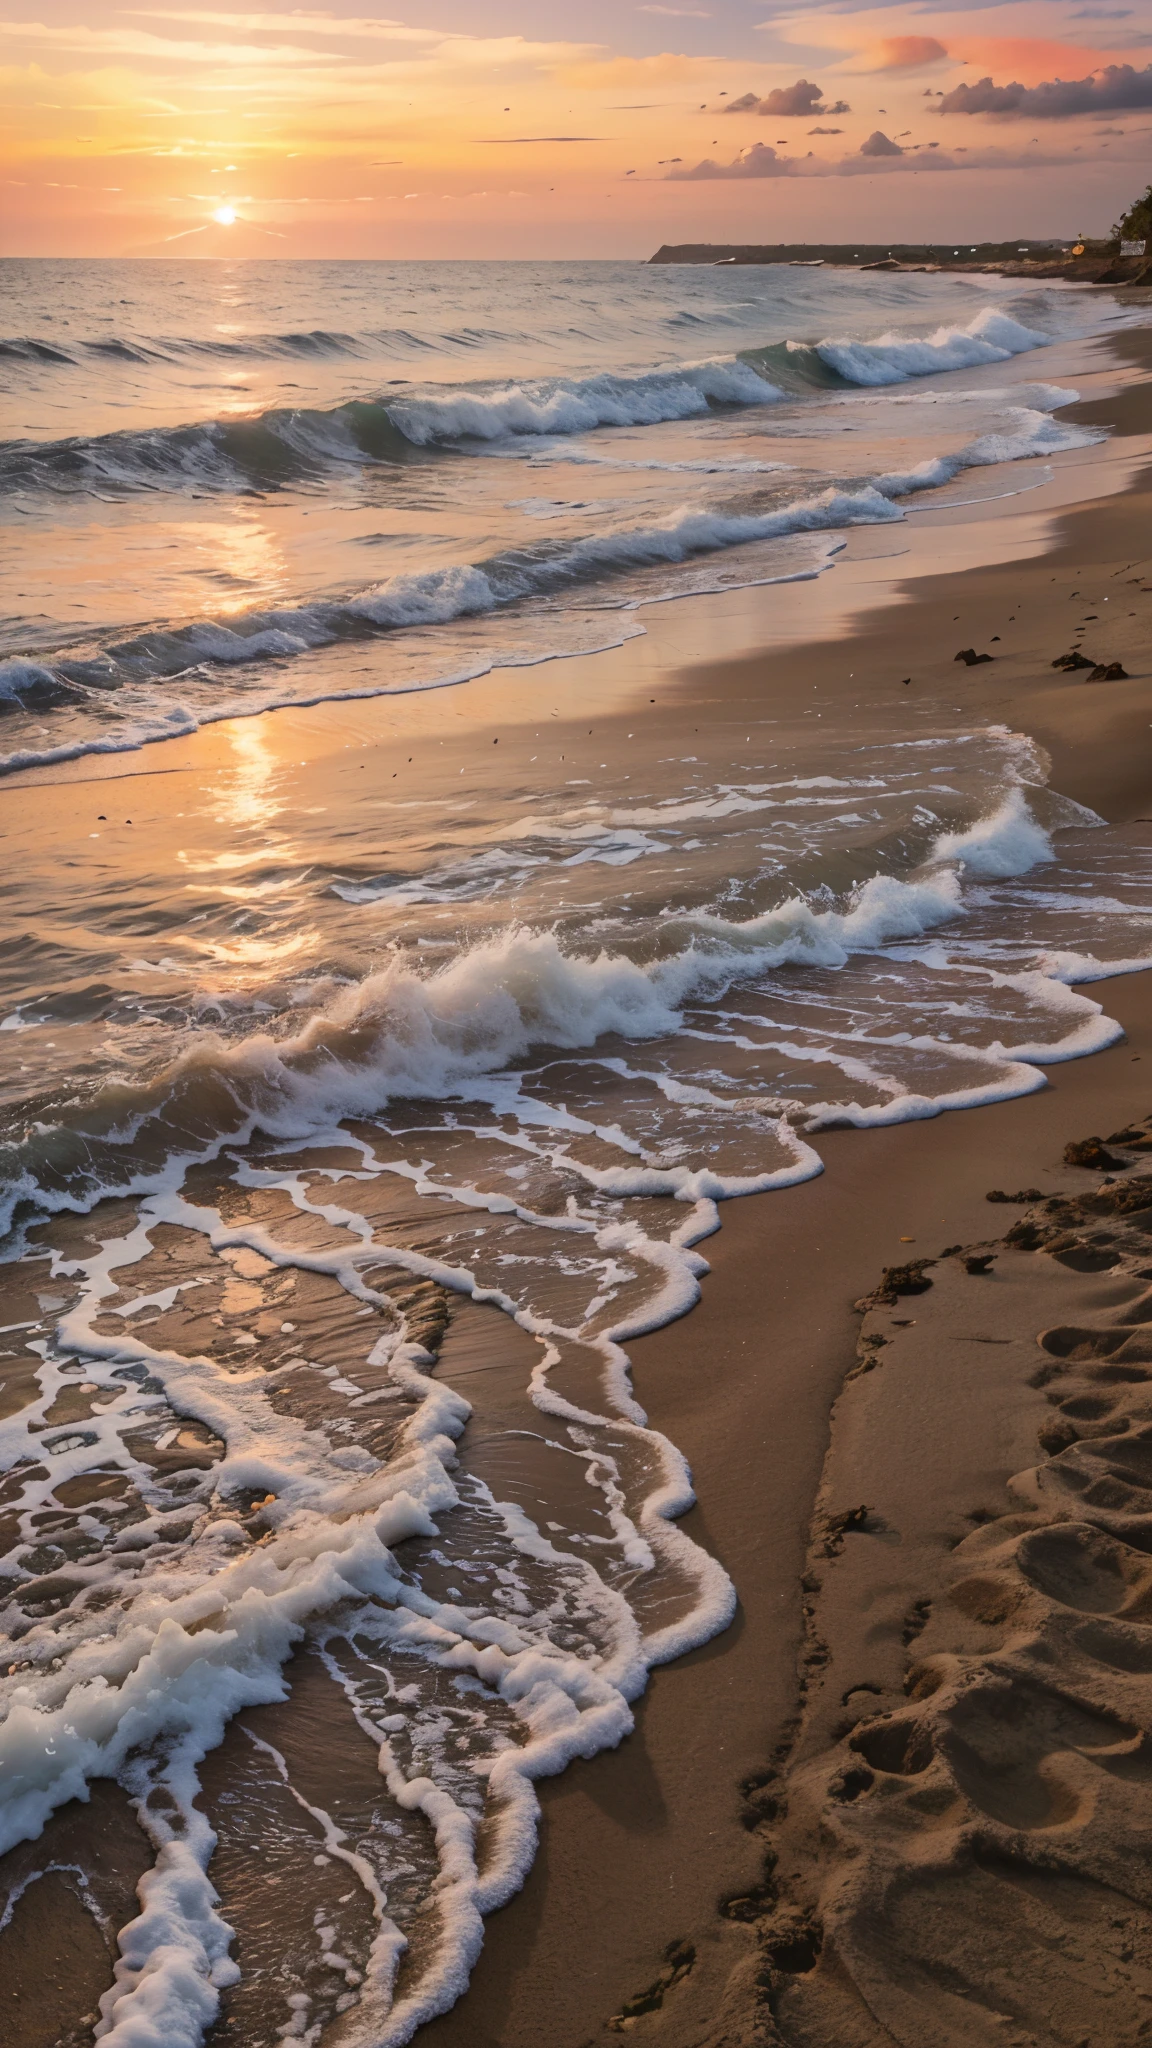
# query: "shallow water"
[[347, 1141]]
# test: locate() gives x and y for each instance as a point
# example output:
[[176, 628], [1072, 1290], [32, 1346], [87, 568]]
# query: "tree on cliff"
[[1136, 225]]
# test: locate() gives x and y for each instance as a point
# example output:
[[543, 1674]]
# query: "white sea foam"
[[713, 1022], [426, 600], [992, 337], [1032, 433], [207, 1633], [427, 1035], [1008, 842], [575, 405], [17, 677]]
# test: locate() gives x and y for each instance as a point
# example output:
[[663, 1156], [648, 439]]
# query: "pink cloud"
[[906, 53]]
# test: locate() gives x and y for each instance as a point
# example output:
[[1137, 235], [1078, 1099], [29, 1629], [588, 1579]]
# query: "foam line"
[[189, 1660]]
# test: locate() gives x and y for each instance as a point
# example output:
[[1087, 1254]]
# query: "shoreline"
[[863, 575], [640, 1847]]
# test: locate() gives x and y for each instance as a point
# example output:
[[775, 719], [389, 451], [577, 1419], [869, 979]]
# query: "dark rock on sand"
[[896, 1280], [1109, 672], [1134, 1137], [970, 658], [1090, 1152]]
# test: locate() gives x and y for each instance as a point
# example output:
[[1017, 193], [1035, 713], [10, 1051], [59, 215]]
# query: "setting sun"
[[224, 216]]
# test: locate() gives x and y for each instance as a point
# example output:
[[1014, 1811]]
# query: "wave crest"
[[424, 1035], [992, 337], [285, 446]]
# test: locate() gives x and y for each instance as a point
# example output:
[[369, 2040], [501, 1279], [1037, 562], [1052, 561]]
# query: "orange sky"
[[488, 130]]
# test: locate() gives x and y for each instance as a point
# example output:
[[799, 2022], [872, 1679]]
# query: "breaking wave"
[[287, 446], [544, 570], [405, 1032], [991, 338]]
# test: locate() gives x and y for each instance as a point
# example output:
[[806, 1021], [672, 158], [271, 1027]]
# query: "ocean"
[[392, 1120], [214, 474]]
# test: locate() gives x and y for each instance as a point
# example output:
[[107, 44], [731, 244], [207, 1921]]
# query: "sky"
[[536, 128]]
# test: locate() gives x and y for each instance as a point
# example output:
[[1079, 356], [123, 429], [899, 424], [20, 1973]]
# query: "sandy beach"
[[721, 1879], [751, 1405], [677, 1839]]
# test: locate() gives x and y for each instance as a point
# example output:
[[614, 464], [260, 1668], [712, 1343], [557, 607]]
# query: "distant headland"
[[1085, 262]]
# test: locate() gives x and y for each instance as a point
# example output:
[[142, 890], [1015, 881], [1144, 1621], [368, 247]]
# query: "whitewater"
[[360, 1106]]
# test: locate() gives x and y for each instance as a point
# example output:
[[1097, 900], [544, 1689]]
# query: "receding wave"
[[24, 348], [433, 597]]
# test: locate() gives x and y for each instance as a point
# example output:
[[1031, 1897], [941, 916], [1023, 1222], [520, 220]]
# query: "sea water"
[[212, 471], [345, 1151]]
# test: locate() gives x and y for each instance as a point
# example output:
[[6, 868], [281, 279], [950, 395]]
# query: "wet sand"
[[641, 1847]]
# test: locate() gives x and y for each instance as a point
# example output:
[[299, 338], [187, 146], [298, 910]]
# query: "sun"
[[224, 216]]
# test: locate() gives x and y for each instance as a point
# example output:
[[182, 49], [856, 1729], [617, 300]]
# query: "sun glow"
[[362, 136]]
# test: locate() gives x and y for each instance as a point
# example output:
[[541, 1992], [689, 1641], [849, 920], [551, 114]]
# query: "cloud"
[[906, 53], [758, 162], [882, 158], [302, 21], [801, 98], [666, 67], [87, 41], [1116, 89], [1102, 14], [681, 13], [787, 102]]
